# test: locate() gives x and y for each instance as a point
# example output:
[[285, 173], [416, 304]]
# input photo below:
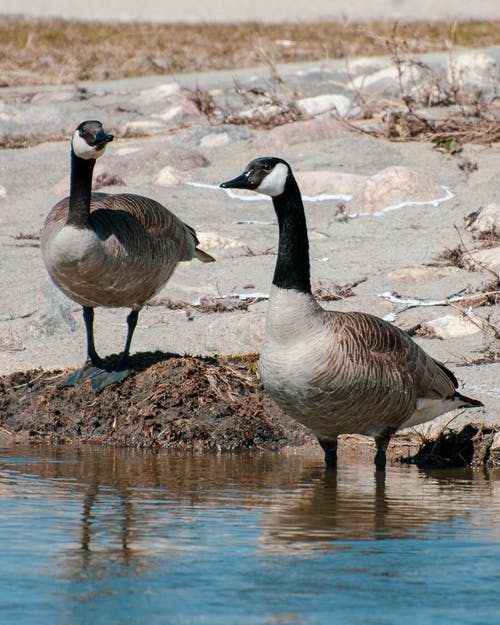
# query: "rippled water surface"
[[115, 537]]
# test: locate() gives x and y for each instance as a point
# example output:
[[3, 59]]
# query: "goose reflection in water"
[[139, 506]]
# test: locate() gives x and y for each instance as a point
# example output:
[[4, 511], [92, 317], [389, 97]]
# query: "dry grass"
[[35, 52]]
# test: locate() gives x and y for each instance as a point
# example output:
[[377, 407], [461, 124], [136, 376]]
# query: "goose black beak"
[[102, 137], [240, 182]]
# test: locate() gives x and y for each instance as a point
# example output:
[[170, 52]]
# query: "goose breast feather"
[[129, 236], [348, 372]]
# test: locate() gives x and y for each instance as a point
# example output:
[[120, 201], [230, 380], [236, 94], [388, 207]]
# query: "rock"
[[212, 136], [488, 257], [153, 95], [262, 114], [151, 159], [366, 65], [409, 80], [56, 96], [304, 131], [143, 127], [487, 221], [494, 459], [398, 185], [421, 273], [178, 113], [473, 72], [55, 317], [214, 240], [314, 183], [167, 177], [451, 326], [215, 140], [327, 103]]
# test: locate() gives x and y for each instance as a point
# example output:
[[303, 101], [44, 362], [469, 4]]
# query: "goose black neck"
[[80, 191], [292, 266]]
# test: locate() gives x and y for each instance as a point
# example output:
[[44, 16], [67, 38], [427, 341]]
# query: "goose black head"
[[90, 139], [266, 174]]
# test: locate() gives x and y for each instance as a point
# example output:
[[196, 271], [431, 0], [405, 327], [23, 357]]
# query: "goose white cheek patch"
[[82, 149], [274, 183]]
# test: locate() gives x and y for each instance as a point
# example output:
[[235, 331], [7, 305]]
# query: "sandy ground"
[[277, 11], [39, 328]]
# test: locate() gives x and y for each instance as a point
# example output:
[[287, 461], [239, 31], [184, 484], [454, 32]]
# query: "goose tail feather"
[[203, 256], [466, 401]]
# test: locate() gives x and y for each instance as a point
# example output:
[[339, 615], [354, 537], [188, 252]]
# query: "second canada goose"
[[336, 372], [110, 250]]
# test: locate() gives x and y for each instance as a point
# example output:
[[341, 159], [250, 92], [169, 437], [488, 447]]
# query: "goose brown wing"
[[392, 349], [157, 221]]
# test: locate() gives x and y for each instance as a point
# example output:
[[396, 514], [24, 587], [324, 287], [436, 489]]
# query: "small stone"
[[327, 103], [214, 240], [451, 326], [167, 177]]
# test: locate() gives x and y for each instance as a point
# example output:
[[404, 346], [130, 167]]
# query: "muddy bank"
[[198, 404], [167, 401]]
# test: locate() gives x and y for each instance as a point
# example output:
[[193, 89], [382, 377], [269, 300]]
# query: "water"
[[115, 537]]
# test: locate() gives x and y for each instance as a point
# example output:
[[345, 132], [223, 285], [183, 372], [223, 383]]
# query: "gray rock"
[[474, 73], [487, 221], [332, 103], [488, 257]]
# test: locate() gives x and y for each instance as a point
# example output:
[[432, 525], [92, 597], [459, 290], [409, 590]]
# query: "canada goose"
[[110, 250], [337, 372]]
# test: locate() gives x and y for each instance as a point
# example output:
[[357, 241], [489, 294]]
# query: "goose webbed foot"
[[77, 378], [99, 376]]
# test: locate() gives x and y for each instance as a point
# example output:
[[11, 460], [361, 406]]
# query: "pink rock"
[[398, 185], [305, 131]]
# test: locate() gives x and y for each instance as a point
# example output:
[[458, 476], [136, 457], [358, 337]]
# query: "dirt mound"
[[167, 401]]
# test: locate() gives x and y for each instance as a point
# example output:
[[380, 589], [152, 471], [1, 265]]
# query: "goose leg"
[[131, 325], [94, 364], [329, 446], [92, 356], [382, 442], [103, 378]]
